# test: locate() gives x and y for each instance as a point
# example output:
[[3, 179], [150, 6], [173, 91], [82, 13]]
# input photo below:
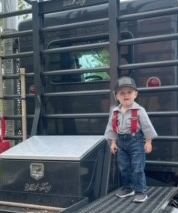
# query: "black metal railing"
[[114, 44], [153, 64]]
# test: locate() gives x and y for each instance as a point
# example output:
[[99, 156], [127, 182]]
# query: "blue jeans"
[[131, 161]]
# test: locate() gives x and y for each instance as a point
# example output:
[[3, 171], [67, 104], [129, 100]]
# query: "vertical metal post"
[[1, 96], [114, 37], [106, 170], [1, 91], [24, 108], [9, 26], [38, 67]]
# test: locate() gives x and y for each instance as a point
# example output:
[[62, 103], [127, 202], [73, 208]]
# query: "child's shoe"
[[140, 198], [125, 192]]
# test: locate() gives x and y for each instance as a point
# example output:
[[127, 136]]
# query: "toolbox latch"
[[37, 170]]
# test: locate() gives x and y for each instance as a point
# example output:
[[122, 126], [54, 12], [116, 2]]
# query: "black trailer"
[[85, 47]]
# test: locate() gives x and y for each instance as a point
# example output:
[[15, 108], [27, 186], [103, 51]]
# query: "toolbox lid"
[[53, 148]]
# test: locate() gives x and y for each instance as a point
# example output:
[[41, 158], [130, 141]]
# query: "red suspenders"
[[134, 122], [115, 122]]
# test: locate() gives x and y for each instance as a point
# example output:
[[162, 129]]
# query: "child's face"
[[126, 96]]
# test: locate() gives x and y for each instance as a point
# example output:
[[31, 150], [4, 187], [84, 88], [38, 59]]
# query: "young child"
[[130, 131]]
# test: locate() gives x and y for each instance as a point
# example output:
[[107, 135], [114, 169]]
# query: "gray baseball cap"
[[125, 82]]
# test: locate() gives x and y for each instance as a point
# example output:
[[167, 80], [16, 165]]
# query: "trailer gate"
[[39, 9]]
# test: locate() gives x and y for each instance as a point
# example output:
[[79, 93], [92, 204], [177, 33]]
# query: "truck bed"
[[158, 199]]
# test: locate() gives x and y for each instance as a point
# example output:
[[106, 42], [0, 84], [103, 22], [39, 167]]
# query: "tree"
[[21, 6]]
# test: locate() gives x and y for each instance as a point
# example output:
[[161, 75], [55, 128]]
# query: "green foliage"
[[1, 22], [95, 59], [22, 5]]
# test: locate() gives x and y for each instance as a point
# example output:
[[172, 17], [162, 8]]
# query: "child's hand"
[[148, 146], [114, 148]]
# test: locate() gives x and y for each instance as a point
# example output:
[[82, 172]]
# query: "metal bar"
[[15, 13], [9, 97], [91, 115], [166, 138], [14, 137], [162, 163], [77, 93], [17, 34], [76, 71], [114, 50], [98, 115], [99, 169], [149, 39], [15, 76], [16, 117], [37, 25], [17, 55], [159, 138], [149, 65], [74, 25], [165, 113], [83, 38], [158, 89], [81, 82], [114, 37], [32, 206], [149, 14], [61, 72], [70, 93], [56, 6], [1, 91], [75, 115], [30, 74], [97, 92], [23, 103], [106, 170], [78, 47]]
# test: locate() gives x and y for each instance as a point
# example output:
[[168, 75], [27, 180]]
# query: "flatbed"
[[158, 199]]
